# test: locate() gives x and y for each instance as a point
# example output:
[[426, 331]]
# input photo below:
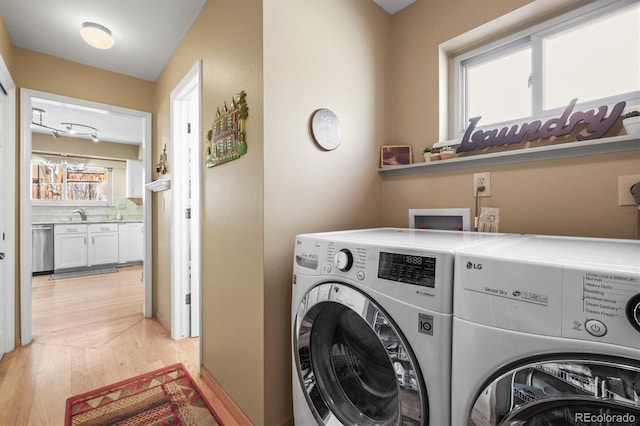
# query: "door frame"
[[184, 324], [8, 218], [26, 95]]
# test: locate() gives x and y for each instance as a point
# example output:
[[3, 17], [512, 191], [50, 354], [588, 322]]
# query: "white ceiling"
[[146, 34], [112, 126], [393, 6]]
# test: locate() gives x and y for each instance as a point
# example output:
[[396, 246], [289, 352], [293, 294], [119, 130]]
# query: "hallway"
[[88, 332]]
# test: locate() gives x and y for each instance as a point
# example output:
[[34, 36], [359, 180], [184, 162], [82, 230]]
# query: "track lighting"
[[73, 129]]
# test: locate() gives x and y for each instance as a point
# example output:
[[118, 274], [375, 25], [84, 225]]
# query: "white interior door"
[[186, 206], [7, 212]]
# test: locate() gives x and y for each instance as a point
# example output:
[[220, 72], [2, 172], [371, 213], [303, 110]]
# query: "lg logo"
[[471, 265]]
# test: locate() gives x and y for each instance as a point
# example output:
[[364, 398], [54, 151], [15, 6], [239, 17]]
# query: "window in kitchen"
[[71, 183], [592, 54]]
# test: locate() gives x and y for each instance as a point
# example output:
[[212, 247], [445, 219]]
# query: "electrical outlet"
[[624, 189], [482, 179]]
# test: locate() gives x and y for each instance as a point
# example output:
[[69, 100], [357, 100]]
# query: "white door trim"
[[184, 324], [8, 223], [25, 201]]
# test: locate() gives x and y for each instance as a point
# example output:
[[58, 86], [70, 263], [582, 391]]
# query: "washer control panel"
[[413, 275]]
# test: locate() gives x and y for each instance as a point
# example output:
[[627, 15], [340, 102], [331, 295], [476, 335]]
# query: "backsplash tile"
[[129, 210]]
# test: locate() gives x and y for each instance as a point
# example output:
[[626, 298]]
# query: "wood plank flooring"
[[88, 332]]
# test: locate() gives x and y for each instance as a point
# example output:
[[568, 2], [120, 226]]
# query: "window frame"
[[65, 201], [532, 36]]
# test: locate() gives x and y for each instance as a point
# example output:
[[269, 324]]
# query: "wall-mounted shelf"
[[159, 185], [549, 152]]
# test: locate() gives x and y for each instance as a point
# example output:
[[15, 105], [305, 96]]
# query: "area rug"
[[82, 273], [168, 396]]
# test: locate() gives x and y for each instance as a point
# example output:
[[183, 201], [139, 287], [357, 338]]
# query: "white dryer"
[[546, 331], [371, 326]]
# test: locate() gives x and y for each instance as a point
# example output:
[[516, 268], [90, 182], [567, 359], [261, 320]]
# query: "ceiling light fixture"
[[73, 129], [97, 35]]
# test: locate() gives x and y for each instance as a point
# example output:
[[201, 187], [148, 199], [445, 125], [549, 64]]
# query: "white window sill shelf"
[[570, 149]]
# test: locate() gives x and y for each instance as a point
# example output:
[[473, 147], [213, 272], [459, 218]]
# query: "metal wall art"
[[226, 139]]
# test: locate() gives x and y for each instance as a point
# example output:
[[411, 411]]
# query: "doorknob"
[[1, 256]]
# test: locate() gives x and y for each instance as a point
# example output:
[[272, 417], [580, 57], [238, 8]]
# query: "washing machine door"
[[575, 391], [354, 365]]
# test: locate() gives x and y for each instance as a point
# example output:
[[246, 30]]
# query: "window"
[[592, 54], [71, 184]]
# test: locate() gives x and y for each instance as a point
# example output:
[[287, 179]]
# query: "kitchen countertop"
[[87, 222]]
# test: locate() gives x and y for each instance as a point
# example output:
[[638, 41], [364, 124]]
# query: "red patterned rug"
[[167, 396]]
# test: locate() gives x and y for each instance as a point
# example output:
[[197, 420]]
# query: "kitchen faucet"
[[81, 212]]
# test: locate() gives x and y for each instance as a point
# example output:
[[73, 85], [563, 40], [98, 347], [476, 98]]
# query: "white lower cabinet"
[[70, 246], [103, 244], [131, 242]]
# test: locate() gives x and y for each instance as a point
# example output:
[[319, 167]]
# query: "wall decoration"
[[395, 155], [325, 129], [161, 168], [597, 125], [226, 138]]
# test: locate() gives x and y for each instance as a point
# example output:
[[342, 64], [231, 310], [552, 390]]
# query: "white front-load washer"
[[546, 331], [371, 326]]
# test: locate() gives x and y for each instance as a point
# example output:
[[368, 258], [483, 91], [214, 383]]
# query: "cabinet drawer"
[[103, 227], [70, 229]]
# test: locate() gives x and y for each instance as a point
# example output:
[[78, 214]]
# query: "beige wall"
[[227, 36], [318, 54], [575, 196], [253, 207]]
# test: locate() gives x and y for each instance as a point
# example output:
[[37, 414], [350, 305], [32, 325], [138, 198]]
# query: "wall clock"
[[325, 129]]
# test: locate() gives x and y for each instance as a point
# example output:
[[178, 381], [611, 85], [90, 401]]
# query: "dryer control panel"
[[602, 306]]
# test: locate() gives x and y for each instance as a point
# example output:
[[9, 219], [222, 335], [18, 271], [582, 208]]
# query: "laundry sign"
[[597, 123]]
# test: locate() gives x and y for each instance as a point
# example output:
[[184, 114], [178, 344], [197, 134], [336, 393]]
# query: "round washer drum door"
[[353, 363], [577, 391]]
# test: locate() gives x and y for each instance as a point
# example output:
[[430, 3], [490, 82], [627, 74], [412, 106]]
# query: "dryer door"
[[574, 391], [354, 365]]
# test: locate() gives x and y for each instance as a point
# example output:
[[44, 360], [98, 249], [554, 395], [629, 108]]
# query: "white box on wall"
[[456, 219]]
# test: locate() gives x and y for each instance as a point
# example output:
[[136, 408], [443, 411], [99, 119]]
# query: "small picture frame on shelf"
[[395, 155]]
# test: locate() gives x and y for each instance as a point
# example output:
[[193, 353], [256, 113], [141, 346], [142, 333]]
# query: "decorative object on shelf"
[[447, 152], [435, 154], [427, 154], [395, 155], [70, 129], [325, 129], [631, 122], [520, 135], [161, 168], [226, 139]]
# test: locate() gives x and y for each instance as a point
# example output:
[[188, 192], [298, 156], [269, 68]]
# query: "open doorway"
[[28, 99], [7, 215], [186, 232]]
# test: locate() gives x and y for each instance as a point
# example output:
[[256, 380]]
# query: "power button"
[[595, 328]]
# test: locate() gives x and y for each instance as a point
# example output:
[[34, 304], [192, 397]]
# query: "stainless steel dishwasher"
[[42, 247]]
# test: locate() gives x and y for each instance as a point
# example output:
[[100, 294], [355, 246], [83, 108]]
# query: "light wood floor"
[[88, 332]]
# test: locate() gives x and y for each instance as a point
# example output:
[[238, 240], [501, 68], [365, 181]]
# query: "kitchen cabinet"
[[103, 244], [131, 242], [135, 179], [70, 246]]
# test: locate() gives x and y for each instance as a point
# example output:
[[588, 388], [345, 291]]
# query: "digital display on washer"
[[410, 269]]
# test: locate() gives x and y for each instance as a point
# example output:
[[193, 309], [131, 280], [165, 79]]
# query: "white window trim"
[[448, 50], [65, 202]]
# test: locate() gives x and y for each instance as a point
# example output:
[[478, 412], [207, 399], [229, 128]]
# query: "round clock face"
[[325, 128]]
